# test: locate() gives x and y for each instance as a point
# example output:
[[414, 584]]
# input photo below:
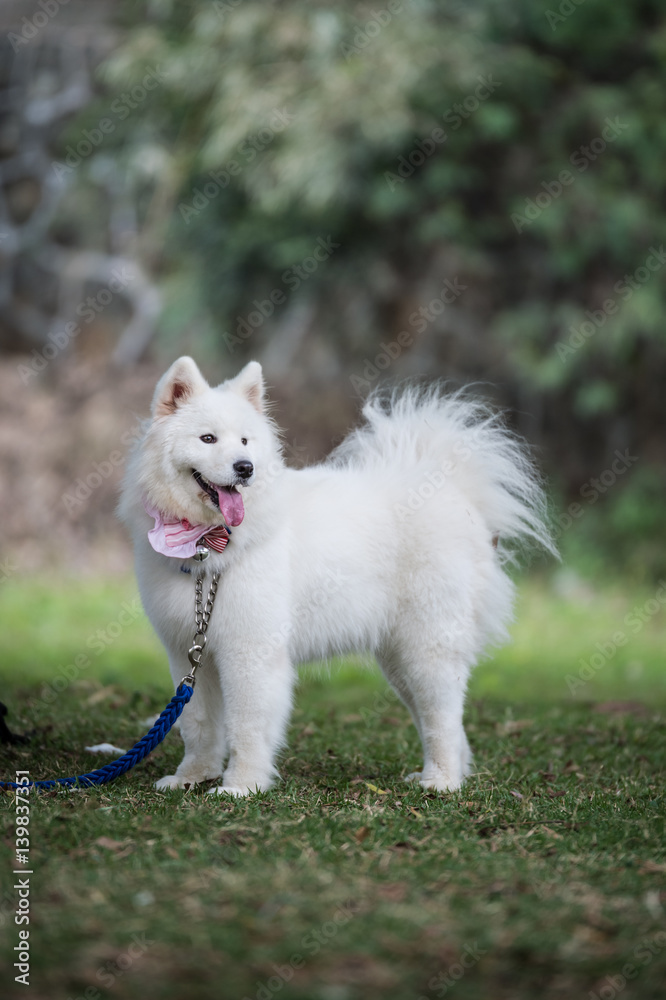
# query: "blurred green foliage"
[[625, 535], [518, 145], [316, 104]]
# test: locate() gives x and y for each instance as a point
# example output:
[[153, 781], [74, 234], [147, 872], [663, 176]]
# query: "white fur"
[[388, 547]]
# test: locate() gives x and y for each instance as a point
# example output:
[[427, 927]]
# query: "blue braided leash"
[[128, 760]]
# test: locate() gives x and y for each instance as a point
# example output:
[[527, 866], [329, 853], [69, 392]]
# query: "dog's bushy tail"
[[413, 431]]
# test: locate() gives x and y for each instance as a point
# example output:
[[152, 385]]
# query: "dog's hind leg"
[[201, 727], [431, 681]]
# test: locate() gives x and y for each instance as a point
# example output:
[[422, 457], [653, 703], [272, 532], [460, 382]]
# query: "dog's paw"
[[433, 782], [237, 793], [439, 783], [173, 781]]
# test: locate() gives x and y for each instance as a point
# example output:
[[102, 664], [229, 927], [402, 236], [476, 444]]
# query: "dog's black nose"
[[244, 468]]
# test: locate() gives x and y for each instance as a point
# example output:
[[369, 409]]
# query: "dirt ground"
[[64, 437]]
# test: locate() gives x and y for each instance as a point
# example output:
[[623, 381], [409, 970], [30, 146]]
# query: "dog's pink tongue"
[[231, 505]]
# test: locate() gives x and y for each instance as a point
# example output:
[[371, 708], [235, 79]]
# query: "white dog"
[[390, 546]]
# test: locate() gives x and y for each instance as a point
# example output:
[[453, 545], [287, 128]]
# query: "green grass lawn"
[[47, 624], [544, 876]]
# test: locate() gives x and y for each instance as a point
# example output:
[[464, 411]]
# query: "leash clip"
[[195, 652]]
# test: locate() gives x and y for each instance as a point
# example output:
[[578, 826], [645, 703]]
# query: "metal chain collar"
[[202, 613]]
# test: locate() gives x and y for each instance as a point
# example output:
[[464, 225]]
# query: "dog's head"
[[204, 445]]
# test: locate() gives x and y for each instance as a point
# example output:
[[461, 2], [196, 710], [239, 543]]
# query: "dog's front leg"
[[201, 727], [257, 704]]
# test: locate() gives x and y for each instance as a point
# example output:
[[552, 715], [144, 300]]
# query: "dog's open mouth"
[[227, 499]]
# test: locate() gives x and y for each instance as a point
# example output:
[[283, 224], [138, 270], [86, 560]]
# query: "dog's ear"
[[182, 381], [250, 383]]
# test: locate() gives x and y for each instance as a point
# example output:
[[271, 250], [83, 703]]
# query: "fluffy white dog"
[[394, 545]]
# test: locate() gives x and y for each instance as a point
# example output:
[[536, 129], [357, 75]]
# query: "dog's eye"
[[208, 438], [243, 440]]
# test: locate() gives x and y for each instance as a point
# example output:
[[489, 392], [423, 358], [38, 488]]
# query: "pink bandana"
[[179, 538]]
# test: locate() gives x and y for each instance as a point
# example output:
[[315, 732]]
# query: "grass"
[[543, 876], [558, 631]]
